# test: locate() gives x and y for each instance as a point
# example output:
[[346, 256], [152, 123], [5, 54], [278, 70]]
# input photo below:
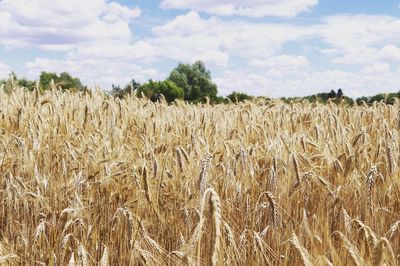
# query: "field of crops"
[[87, 179]]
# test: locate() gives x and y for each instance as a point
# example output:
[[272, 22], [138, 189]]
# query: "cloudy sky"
[[262, 47]]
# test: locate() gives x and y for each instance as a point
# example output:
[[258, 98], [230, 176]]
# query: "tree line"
[[189, 82]]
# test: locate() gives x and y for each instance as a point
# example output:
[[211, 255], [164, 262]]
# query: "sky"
[[261, 47]]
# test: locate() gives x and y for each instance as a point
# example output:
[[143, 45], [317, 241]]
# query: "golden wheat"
[[87, 179]]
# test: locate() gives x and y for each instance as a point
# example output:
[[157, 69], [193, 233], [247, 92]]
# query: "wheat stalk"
[[211, 198], [104, 257], [203, 177], [274, 208], [306, 257]]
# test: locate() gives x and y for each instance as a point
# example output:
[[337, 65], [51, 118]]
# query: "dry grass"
[[88, 180]]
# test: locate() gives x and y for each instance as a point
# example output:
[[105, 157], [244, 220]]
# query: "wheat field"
[[87, 179]]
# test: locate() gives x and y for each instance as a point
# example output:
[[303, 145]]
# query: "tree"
[[195, 80], [129, 88], [362, 100], [22, 82], [134, 85], [154, 89], [239, 97], [65, 81], [332, 94], [117, 91], [339, 93], [46, 78], [25, 83], [13, 81]]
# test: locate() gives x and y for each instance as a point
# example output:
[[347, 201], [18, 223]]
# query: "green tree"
[[362, 99], [339, 93], [332, 94], [154, 89], [65, 81], [239, 97], [195, 80], [389, 98], [25, 83], [129, 88], [22, 82], [46, 78], [13, 82]]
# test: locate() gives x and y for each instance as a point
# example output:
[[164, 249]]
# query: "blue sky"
[[262, 47]]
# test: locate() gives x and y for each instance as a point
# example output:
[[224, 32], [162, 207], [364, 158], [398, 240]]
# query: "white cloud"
[[368, 55], [93, 72], [356, 56], [300, 84], [354, 84], [390, 52], [351, 39], [140, 50], [250, 8], [117, 12], [99, 47], [282, 62], [4, 70], [189, 37], [352, 31], [361, 39], [377, 68], [216, 58], [94, 35], [62, 25]]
